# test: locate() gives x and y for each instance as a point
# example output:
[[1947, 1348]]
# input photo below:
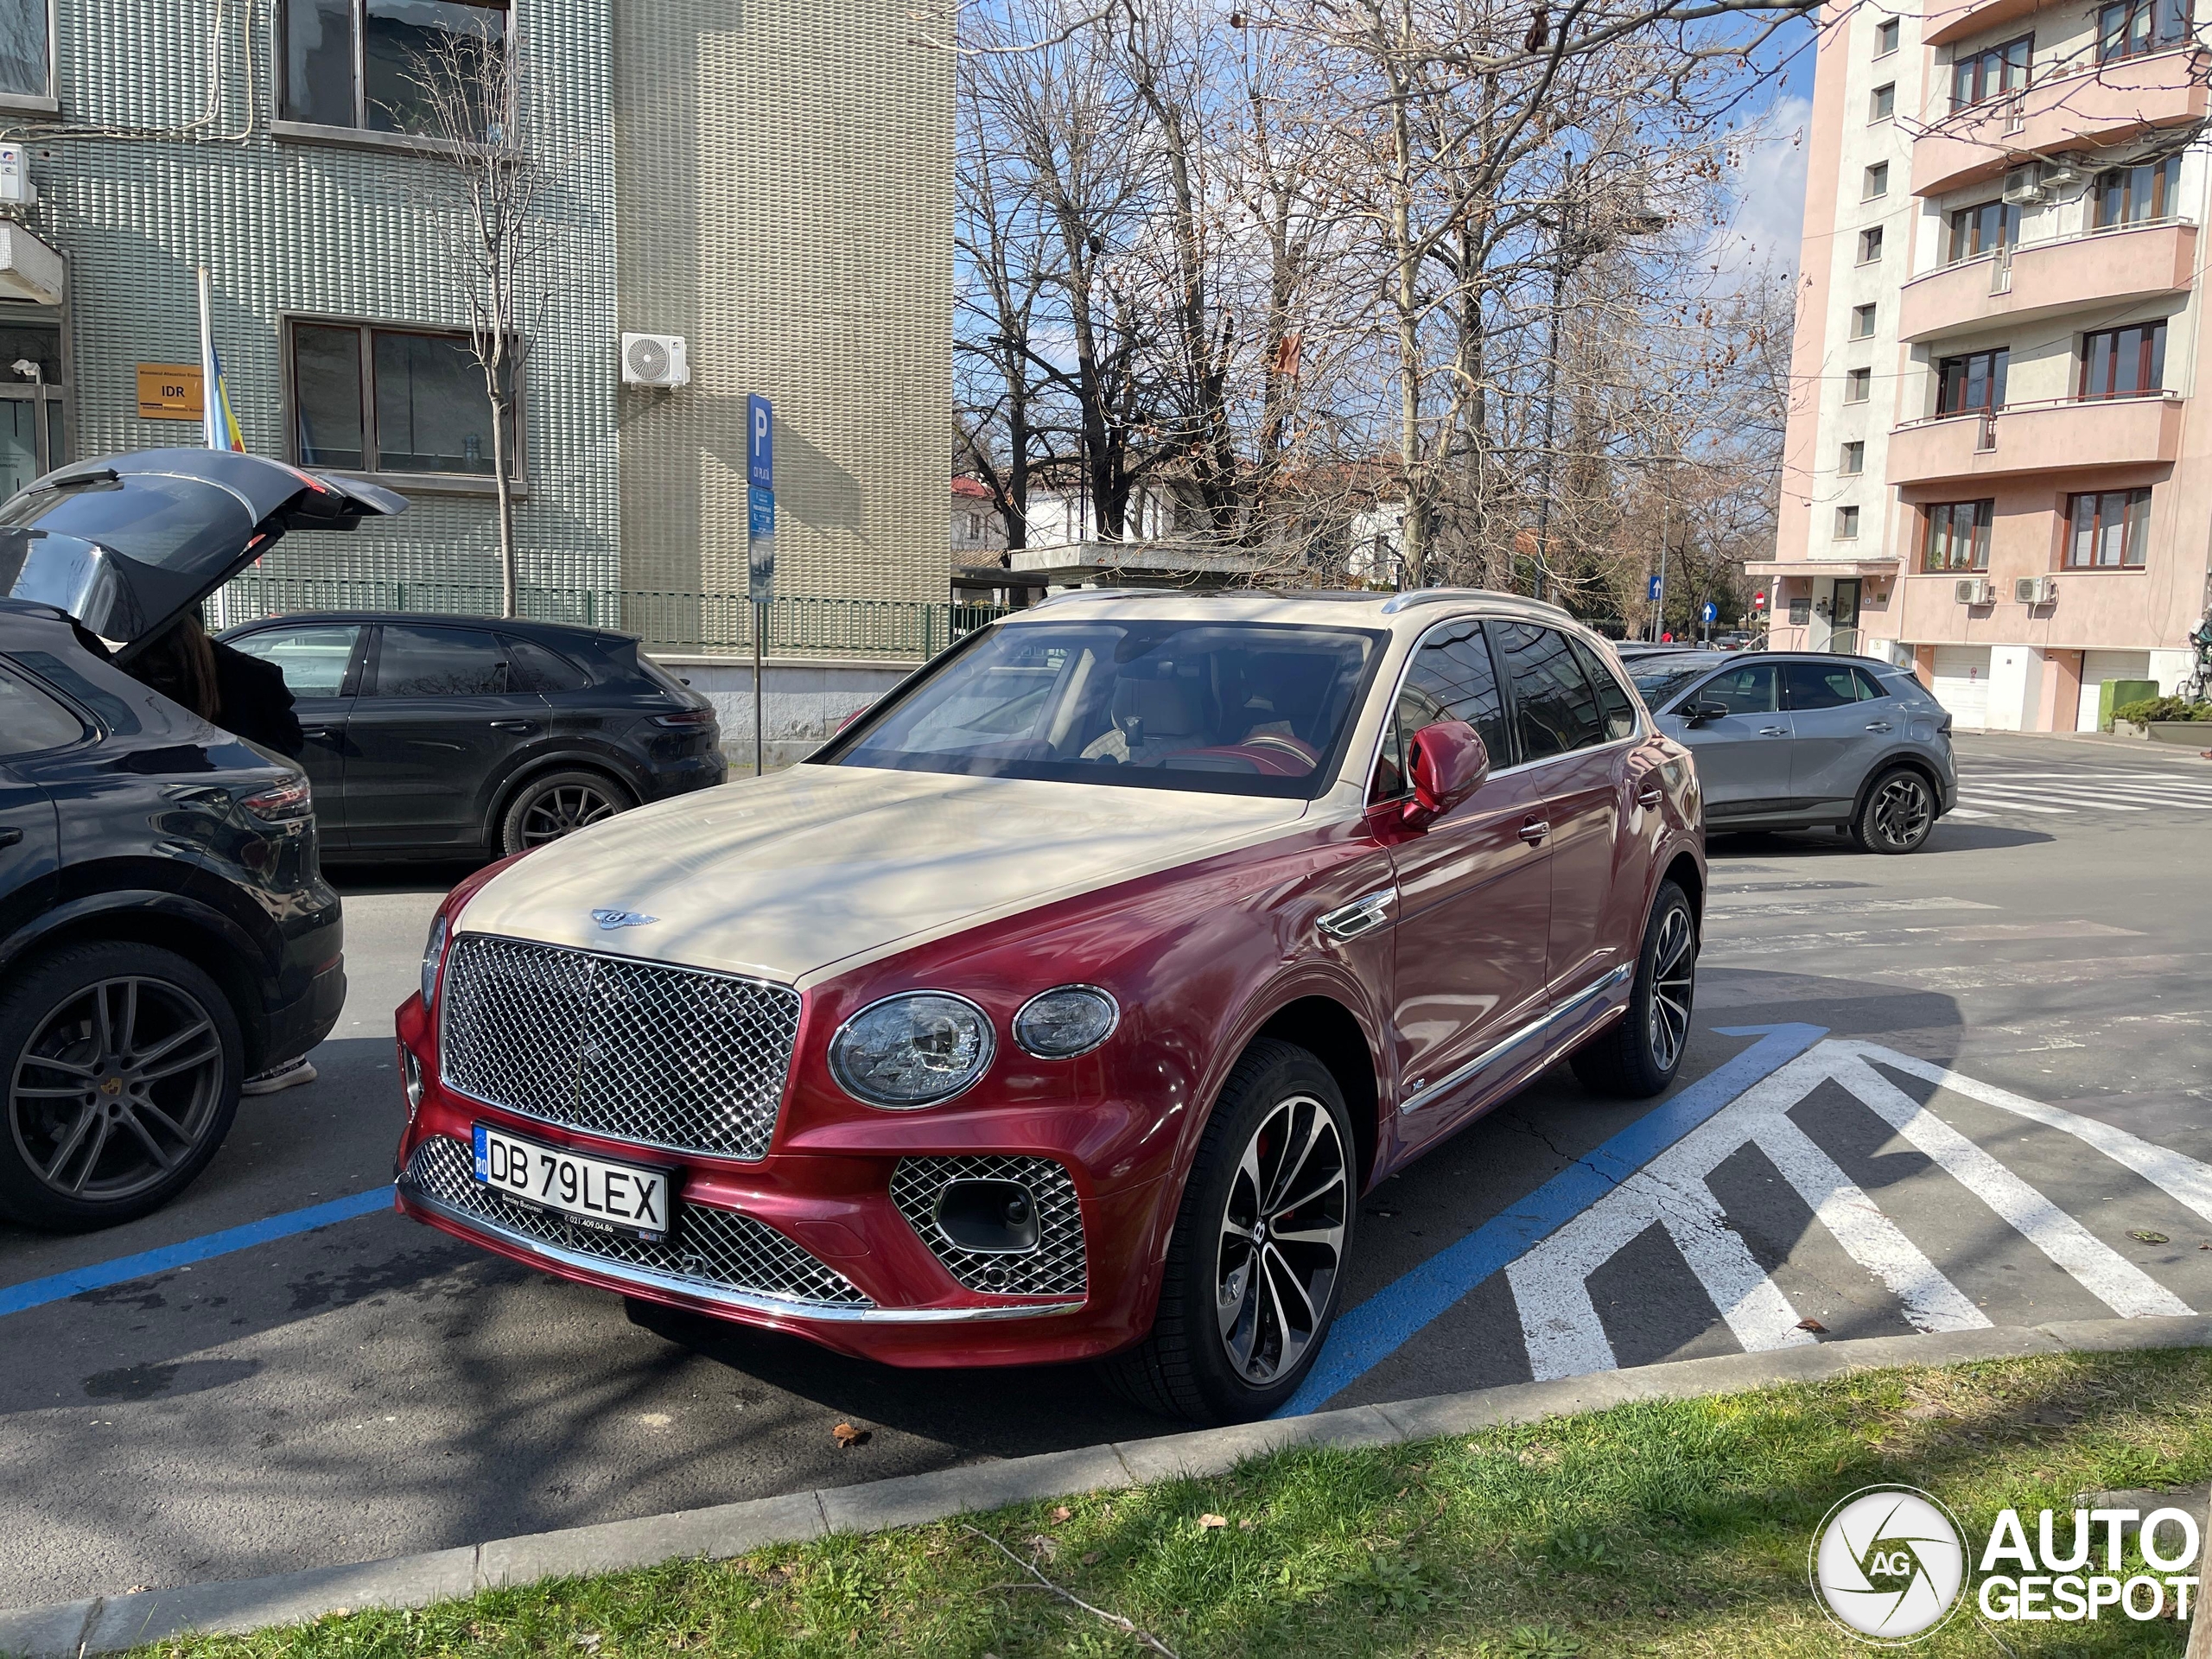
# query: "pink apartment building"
[[1999, 466]]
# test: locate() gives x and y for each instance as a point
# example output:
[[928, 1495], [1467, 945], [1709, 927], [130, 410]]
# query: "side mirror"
[[1698, 713], [1448, 763]]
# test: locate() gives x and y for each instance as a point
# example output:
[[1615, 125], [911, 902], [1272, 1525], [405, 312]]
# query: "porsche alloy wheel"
[[121, 1065], [1255, 1263], [558, 805], [1282, 1238]]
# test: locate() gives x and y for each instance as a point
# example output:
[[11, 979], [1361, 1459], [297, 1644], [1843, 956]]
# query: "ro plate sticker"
[[483, 1155]]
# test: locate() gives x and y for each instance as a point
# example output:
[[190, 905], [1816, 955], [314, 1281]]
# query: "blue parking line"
[[56, 1287], [1366, 1336]]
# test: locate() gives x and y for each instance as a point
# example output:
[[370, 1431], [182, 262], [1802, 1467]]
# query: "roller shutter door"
[[1963, 682]]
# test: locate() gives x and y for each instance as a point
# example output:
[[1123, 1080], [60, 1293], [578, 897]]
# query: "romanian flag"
[[221, 425]]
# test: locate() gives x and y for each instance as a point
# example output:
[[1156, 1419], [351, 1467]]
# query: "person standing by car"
[[245, 696]]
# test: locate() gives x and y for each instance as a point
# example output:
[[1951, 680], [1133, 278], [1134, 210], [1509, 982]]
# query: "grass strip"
[[1669, 1529]]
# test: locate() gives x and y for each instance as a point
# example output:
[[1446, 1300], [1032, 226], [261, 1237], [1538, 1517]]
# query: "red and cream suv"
[[1064, 1005]]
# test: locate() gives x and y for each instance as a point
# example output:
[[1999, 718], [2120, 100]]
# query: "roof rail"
[[1407, 600], [1075, 594]]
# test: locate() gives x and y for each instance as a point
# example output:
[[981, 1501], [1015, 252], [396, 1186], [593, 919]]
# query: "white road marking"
[[1992, 798], [1967, 812], [1752, 909], [1922, 938], [1982, 976], [1550, 1282]]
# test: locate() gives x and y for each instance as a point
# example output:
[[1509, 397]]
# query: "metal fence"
[[797, 625]]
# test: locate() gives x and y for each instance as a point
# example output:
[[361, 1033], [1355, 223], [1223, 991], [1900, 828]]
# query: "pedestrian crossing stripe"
[[1550, 1281], [1989, 794]]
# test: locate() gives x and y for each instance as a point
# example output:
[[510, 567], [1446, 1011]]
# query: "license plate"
[[613, 1198]]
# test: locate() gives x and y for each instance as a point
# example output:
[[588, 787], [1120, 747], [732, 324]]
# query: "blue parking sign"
[[760, 443]]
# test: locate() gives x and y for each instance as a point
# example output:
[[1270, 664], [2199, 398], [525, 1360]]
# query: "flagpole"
[[211, 394]]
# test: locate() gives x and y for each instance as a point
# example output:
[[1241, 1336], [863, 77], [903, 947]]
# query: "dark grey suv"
[[1790, 741]]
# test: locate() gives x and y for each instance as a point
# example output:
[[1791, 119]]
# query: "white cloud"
[[1769, 221]]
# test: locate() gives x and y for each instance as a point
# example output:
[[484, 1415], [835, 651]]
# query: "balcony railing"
[[2084, 105], [708, 623], [2112, 265], [2057, 435]]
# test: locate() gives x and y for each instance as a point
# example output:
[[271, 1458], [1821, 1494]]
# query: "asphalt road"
[[1967, 1086]]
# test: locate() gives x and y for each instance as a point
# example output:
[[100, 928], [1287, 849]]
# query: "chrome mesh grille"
[[665, 1057], [1053, 1268], [717, 1248]]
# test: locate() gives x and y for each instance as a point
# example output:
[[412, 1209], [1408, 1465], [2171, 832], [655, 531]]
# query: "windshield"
[[1231, 708], [1659, 678]]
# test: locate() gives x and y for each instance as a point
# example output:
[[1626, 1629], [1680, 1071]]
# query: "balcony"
[[1945, 20], [2097, 268], [2087, 108], [2064, 436]]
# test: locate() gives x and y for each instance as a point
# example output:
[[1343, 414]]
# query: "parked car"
[[1063, 1007], [165, 930], [447, 736], [1802, 741]]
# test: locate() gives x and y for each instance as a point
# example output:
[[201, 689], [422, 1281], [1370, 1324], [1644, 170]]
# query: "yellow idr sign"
[[170, 391]]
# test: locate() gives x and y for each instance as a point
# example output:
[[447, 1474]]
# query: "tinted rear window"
[[175, 524]]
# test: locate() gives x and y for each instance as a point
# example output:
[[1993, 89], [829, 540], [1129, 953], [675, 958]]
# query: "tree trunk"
[[2200, 1622], [1412, 546], [505, 487]]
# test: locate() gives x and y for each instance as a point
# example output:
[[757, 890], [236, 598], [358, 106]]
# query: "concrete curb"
[[111, 1623]]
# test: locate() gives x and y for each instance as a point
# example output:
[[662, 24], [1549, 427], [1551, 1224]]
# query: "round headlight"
[[1065, 1021], [911, 1051], [434, 955]]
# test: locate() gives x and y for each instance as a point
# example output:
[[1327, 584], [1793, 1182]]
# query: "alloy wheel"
[[562, 811], [118, 1087], [1674, 968], [1282, 1237], [1901, 811]]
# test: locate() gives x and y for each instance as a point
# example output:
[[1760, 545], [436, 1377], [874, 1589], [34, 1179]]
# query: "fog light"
[[988, 1217]]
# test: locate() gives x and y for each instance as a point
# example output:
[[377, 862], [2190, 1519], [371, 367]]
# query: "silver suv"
[[1801, 741]]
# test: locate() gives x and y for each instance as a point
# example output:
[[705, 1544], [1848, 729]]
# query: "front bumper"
[[811, 1244]]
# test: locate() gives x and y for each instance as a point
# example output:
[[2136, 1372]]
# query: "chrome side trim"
[[741, 1302], [1527, 1034], [1363, 915]]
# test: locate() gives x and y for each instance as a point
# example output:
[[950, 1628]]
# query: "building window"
[[1983, 228], [1862, 321], [1870, 244], [2128, 195], [2123, 362], [369, 63], [1878, 181], [1884, 104], [1976, 381], [1958, 535], [1854, 458], [1858, 385], [390, 400], [1847, 523], [2128, 28], [25, 62], [2109, 530], [1988, 74], [1885, 38]]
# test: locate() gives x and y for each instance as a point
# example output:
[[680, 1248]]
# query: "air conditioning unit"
[[1973, 590], [2035, 590], [655, 360], [2023, 185], [16, 189], [2060, 171]]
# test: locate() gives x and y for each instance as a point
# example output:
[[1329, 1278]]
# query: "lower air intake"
[[1050, 1266]]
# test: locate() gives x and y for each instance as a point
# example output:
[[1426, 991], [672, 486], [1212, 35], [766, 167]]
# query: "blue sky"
[[1770, 183]]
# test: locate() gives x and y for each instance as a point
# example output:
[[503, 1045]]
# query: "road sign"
[[1653, 592], [1758, 600], [1711, 612], [761, 499]]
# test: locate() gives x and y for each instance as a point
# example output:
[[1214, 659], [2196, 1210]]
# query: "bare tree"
[[503, 250]]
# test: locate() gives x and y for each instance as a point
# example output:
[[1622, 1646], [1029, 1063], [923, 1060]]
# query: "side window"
[[439, 663], [531, 667], [31, 721], [1818, 685], [1869, 687], [1747, 690], [1613, 704], [1453, 678], [1555, 707], [312, 660]]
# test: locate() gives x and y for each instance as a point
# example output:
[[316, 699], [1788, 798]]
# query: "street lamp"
[[1573, 246]]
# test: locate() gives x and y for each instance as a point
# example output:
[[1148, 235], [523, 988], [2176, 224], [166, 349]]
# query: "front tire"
[[1638, 1055], [120, 1065], [558, 804], [1255, 1265], [1899, 814]]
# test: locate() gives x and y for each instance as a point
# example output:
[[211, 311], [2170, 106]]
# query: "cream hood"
[[818, 868]]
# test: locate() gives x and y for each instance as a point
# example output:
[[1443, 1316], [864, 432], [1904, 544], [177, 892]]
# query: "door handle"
[[1650, 796], [1878, 725], [9, 835], [1534, 831], [320, 734], [524, 726], [1774, 731]]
